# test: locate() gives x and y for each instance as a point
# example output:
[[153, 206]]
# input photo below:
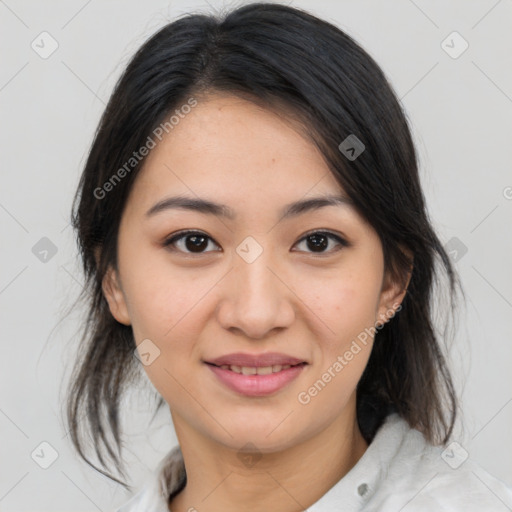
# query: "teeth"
[[252, 370]]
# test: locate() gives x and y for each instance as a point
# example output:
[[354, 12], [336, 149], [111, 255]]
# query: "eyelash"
[[183, 234]]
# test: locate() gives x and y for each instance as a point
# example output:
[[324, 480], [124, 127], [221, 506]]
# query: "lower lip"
[[257, 385]]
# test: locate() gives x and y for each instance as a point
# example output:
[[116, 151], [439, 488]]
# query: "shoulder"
[[145, 500], [418, 477]]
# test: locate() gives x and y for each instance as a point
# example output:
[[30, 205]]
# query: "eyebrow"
[[221, 210]]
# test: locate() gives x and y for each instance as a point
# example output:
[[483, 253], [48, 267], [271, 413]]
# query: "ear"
[[115, 297], [392, 293]]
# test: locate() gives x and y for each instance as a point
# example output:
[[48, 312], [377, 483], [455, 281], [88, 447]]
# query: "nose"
[[256, 298]]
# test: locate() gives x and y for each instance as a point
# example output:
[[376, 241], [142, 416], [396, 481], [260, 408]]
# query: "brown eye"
[[193, 242], [318, 241]]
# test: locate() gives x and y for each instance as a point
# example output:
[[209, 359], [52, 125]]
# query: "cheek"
[[346, 313], [169, 306], [166, 307], [345, 303], [160, 296]]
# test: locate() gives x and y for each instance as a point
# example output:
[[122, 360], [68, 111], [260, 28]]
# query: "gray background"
[[460, 109]]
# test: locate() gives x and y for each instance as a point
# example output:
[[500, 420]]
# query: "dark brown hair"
[[277, 56]]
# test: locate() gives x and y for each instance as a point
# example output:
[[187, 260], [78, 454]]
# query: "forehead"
[[229, 148]]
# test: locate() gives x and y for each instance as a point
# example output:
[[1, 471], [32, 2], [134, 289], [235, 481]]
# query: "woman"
[[253, 231]]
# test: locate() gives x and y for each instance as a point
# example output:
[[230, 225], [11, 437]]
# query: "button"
[[362, 489]]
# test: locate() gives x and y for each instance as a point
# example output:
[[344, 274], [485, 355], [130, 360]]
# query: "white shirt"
[[399, 472]]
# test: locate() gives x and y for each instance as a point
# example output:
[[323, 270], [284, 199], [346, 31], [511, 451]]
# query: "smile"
[[256, 370], [256, 381]]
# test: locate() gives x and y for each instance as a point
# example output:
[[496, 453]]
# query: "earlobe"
[[115, 297]]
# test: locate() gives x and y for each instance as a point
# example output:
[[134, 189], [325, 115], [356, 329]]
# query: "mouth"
[[256, 370], [256, 381]]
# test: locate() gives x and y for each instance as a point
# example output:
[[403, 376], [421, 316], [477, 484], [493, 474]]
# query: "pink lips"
[[256, 385], [265, 359]]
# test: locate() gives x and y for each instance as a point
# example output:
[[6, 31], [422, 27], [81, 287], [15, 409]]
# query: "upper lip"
[[255, 360]]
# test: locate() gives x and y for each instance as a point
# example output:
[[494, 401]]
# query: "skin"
[[290, 299]]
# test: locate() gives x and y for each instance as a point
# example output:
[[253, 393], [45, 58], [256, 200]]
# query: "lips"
[[256, 375], [269, 359], [259, 370], [257, 381]]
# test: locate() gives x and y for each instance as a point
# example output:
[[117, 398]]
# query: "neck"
[[218, 478]]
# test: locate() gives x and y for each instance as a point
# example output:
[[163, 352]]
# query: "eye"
[[195, 242], [317, 241]]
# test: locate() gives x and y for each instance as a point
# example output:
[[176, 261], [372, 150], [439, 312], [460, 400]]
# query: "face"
[[254, 281]]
